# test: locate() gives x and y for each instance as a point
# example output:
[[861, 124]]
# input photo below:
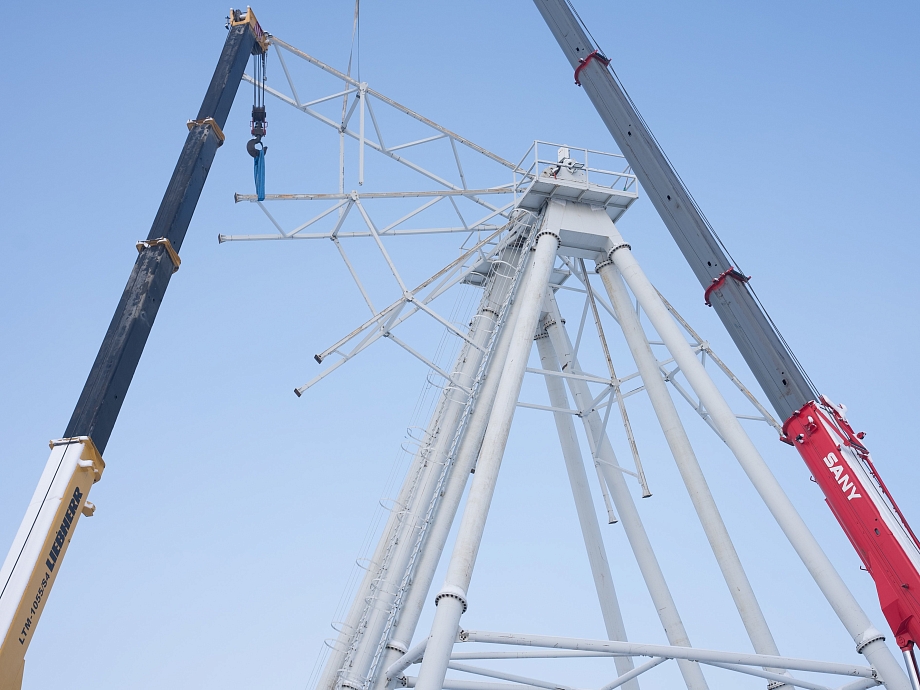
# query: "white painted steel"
[[454, 684], [867, 638], [635, 673], [413, 656], [514, 678], [424, 120], [452, 598], [669, 651], [362, 96], [530, 654], [368, 143], [583, 377], [861, 684], [501, 189], [622, 498], [547, 408], [336, 660], [383, 605], [354, 275], [777, 680], [584, 505], [454, 488], [398, 579], [415, 295], [381, 597], [390, 317], [707, 349], [690, 471], [441, 430], [617, 392]]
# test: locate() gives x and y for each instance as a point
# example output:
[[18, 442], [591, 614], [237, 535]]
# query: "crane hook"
[[259, 128], [252, 144]]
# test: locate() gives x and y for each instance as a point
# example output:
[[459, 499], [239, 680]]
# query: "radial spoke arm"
[[331, 70], [439, 193], [391, 313]]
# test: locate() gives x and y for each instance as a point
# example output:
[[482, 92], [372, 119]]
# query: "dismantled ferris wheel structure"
[[551, 231]]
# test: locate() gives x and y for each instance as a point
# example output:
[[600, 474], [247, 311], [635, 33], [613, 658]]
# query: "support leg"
[[869, 641], [453, 493], [336, 662], [395, 577], [451, 601], [584, 505], [690, 471], [622, 499]]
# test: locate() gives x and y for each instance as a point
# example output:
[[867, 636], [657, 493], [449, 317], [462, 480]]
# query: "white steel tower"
[[552, 232]]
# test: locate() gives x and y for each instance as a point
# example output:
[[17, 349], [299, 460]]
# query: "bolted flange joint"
[[452, 592], [602, 264], [397, 646], [622, 245], [545, 232], [868, 637]]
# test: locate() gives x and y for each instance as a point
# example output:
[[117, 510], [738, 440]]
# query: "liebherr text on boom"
[[34, 560], [816, 427]]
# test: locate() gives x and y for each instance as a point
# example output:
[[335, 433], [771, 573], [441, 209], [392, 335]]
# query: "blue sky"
[[231, 512]]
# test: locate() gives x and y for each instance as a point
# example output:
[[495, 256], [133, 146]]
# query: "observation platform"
[[568, 173]]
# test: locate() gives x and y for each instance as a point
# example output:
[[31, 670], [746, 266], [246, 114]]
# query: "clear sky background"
[[231, 512]]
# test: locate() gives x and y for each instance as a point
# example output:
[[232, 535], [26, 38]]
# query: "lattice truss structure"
[[531, 233]]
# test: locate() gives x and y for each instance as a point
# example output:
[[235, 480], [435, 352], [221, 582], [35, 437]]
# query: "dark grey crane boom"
[[33, 562]]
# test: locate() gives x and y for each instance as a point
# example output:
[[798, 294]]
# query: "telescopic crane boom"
[[34, 560], [817, 428]]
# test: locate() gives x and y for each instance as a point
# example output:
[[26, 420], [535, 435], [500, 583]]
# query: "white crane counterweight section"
[[43, 537]]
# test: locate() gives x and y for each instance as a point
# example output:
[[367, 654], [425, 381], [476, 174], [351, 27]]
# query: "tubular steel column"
[[688, 465], [584, 505], [466, 455], [869, 641], [337, 657], [400, 549], [358, 642], [451, 601], [371, 651], [622, 499]]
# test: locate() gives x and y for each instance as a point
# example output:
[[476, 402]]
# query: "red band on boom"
[[596, 55], [717, 283]]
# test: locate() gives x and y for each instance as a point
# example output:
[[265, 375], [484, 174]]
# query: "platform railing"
[[601, 168]]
